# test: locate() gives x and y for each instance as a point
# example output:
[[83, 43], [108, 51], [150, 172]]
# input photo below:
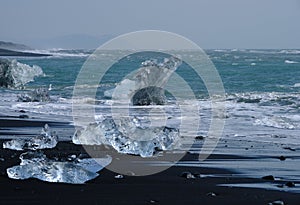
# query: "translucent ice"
[[146, 86], [15, 74], [37, 165], [37, 95], [46, 139], [128, 136]]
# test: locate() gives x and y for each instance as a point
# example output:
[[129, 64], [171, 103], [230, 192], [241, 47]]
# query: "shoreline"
[[166, 187]]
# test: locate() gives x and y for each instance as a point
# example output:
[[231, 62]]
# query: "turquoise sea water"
[[262, 119], [262, 89], [241, 70]]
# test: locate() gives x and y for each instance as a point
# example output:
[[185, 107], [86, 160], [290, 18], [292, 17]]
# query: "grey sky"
[[209, 23]]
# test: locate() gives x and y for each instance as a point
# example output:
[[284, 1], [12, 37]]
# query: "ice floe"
[[128, 136], [47, 139], [37, 165]]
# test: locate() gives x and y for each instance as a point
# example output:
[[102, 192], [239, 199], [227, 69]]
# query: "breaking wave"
[[267, 99], [290, 62], [276, 122], [290, 51], [59, 52]]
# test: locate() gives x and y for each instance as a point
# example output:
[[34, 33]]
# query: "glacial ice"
[[47, 139], [37, 165], [14, 74], [128, 136], [146, 86], [37, 95], [149, 96]]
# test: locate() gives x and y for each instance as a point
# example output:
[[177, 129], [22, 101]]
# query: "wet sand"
[[167, 187]]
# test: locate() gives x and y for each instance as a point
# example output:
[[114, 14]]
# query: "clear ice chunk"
[[14, 74], [146, 86], [37, 165], [126, 134], [47, 139], [37, 95], [128, 137]]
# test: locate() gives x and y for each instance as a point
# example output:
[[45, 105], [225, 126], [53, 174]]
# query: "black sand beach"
[[167, 187]]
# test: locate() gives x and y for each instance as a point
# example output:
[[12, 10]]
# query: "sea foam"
[[290, 62]]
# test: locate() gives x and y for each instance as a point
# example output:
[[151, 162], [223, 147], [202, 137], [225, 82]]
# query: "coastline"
[[167, 187]]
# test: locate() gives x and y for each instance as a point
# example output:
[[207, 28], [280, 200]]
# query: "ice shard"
[[128, 136], [146, 86], [14, 74], [37, 95], [37, 165], [47, 139]]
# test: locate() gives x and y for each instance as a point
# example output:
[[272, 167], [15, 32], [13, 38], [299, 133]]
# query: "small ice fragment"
[[277, 203], [72, 157], [119, 176], [37, 95], [296, 85], [290, 62], [109, 93], [211, 194], [47, 139], [187, 175], [37, 165]]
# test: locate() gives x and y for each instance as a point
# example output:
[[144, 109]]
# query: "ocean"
[[262, 106], [262, 89]]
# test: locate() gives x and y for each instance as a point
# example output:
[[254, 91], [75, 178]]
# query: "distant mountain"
[[13, 46], [74, 41], [15, 49], [6, 52]]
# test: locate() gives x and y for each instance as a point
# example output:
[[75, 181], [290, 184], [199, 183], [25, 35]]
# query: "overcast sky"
[[209, 23]]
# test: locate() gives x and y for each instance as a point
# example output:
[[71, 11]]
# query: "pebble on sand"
[[282, 158], [269, 177], [290, 184], [289, 148]]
